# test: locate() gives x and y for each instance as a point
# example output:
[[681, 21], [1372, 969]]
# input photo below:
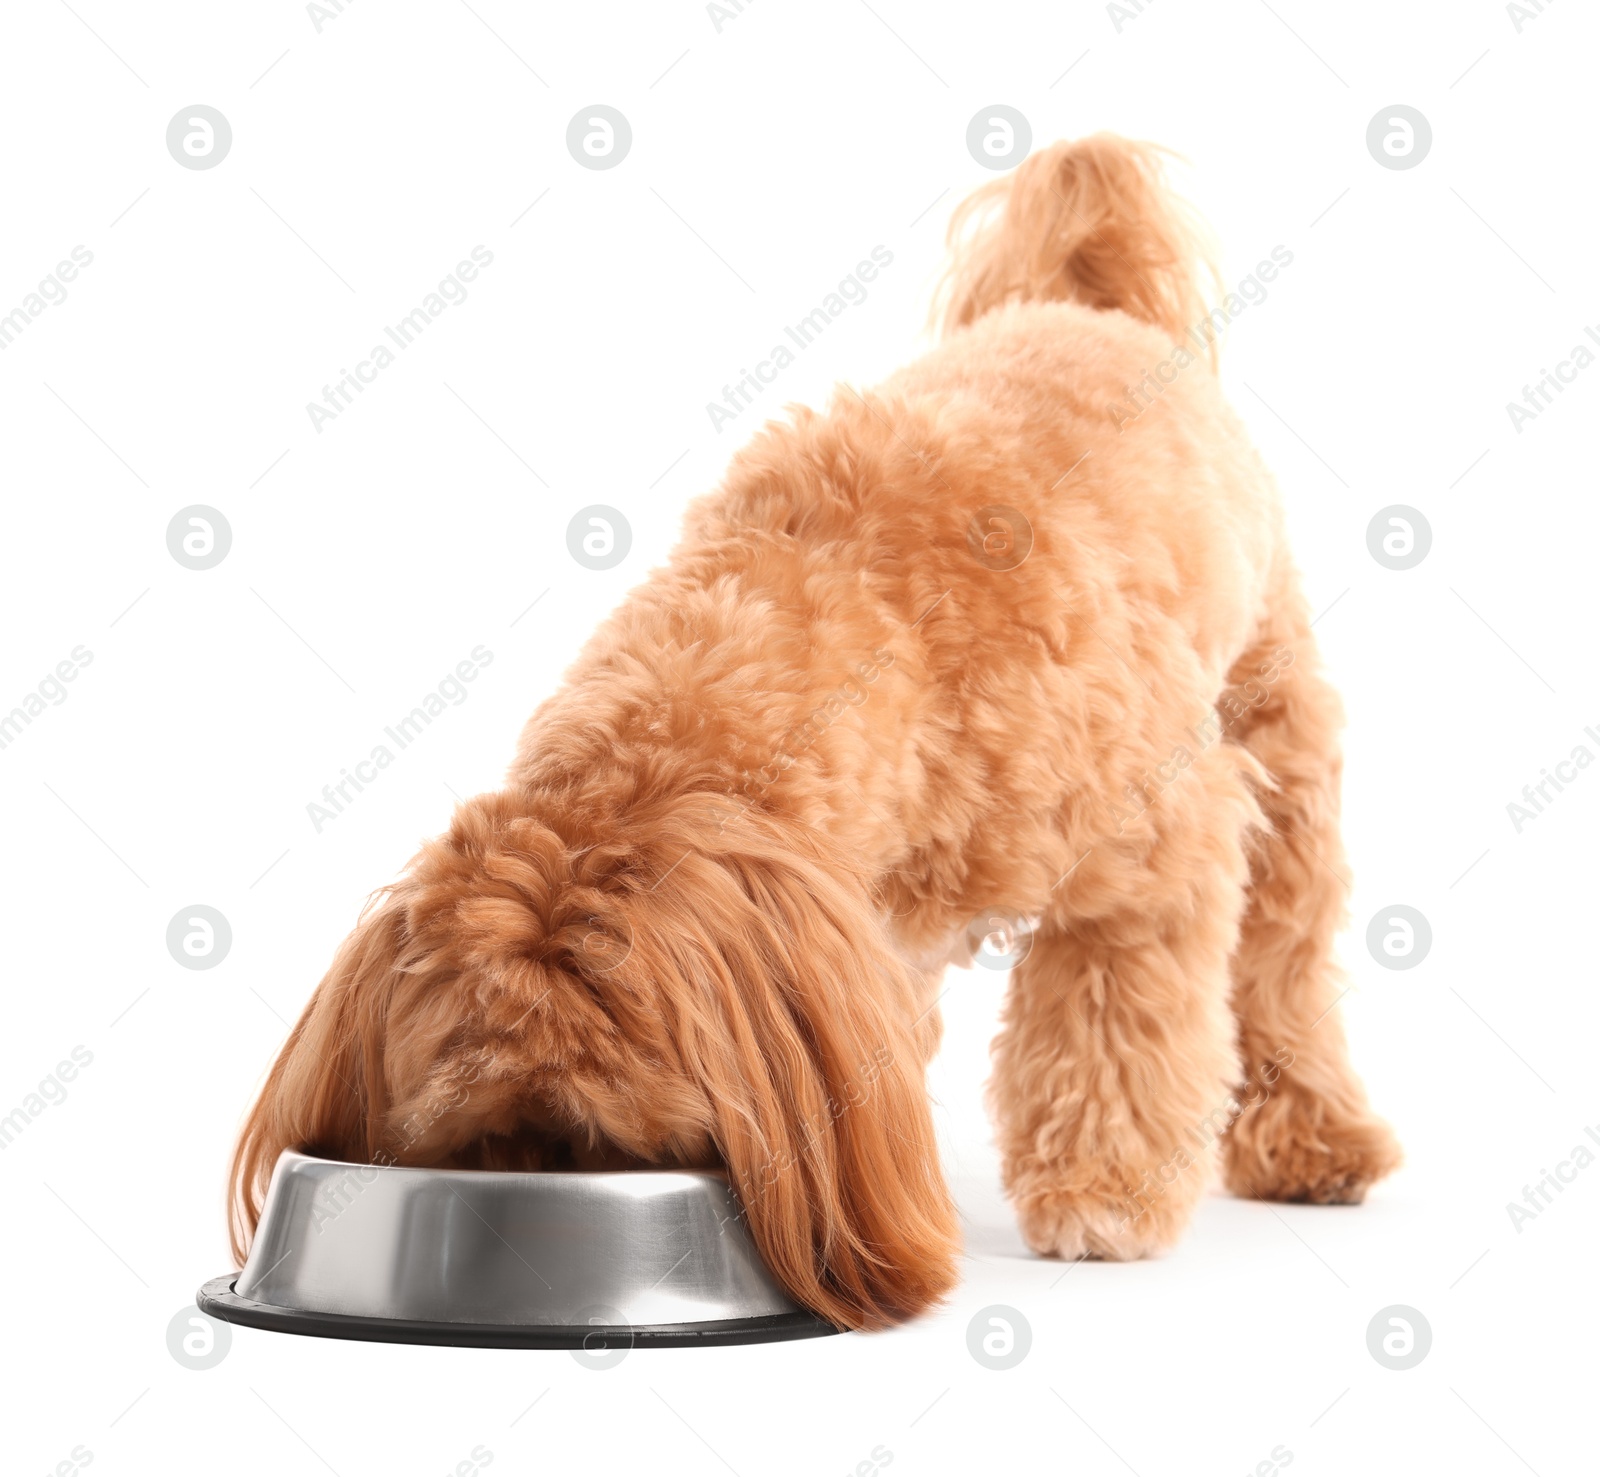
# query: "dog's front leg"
[[1116, 1070]]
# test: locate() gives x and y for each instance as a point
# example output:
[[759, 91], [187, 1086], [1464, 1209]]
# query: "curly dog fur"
[[981, 639]]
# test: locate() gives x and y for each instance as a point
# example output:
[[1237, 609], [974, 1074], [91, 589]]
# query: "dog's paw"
[[1302, 1154], [1144, 1219]]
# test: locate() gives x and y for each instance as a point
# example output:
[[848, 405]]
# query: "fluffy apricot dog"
[[1017, 632]]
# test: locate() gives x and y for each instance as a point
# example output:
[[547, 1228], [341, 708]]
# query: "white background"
[[367, 560]]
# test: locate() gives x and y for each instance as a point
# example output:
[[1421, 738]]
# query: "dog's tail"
[[1090, 222]]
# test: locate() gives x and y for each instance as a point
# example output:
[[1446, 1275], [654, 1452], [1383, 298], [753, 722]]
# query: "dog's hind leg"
[[1305, 1132], [1116, 1064]]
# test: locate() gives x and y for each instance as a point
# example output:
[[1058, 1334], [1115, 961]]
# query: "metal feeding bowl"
[[504, 1260]]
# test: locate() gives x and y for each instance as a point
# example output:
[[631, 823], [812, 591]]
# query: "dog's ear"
[[326, 1092], [799, 1024]]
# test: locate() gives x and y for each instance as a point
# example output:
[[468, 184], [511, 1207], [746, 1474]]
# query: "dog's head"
[[700, 984]]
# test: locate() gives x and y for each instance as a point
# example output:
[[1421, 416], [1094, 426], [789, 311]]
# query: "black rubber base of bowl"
[[219, 1299]]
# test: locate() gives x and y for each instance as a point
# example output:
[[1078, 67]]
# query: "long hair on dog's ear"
[[744, 1008], [326, 1092], [1091, 221], [799, 1023]]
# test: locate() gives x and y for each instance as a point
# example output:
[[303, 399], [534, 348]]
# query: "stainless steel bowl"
[[543, 1261]]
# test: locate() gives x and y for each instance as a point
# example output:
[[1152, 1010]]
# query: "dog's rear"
[[1090, 222], [1200, 961]]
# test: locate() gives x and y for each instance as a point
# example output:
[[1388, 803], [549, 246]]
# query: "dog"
[[1015, 633]]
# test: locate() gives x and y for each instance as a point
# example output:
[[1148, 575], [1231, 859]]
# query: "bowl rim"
[[501, 1175], [218, 1299]]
